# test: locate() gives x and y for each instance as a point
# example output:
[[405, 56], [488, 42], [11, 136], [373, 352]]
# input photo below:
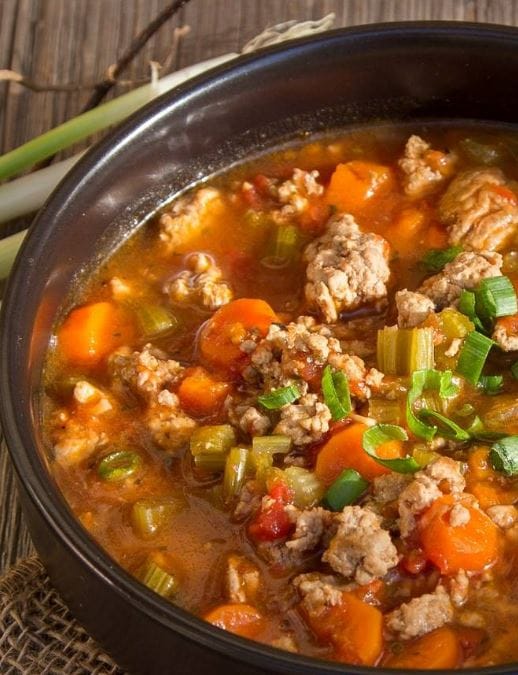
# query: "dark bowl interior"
[[388, 73]]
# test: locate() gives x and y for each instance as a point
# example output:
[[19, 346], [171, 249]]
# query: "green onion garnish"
[[496, 297], [345, 490], [473, 356], [478, 431], [504, 455], [467, 305], [272, 445], [447, 428], [514, 370], [335, 388], [381, 433], [491, 384], [436, 258], [400, 351], [279, 397], [119, 465], [427, 379]]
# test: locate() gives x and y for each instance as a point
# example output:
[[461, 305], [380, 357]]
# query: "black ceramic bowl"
[[388, 72]]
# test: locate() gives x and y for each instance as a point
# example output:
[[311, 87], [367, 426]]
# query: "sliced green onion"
[[400, 351], [211, 462], [235, 472], [491, 384], [478, 431], [278, 398], [504, 455], [158, 580], [119, 465], [346, 489], [473, 356], [385, 411], [514, 370], [283, 247], [467, 305], [154, 319], [496, 297], [306, 487], [436, 258], [215, 440], [148, 516], [427, 379], [335, 389], [447, 428], [382, 433], [272, 445]]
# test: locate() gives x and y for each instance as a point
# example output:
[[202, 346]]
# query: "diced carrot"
[[93, 331], [436, 650], [354, 184], [509, 324], [344, 450], [435, 236], [478, 465], [489, 493], [226, 329], [485, 483], [471, 546], [238, 618], [201, 394], [353, 628]]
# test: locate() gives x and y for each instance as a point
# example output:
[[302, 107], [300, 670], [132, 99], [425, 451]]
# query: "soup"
[[289, 403]]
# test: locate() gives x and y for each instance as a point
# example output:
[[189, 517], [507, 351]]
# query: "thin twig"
[[39, 87], [102, 88]]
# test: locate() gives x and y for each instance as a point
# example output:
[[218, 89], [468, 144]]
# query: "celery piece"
[[307, 489], [148, 516], [261, 463], [423, 455], [401, 351], [385, 411], [454, 324], [154, 319], [215, 440], [208, 461], [235, 471], [272, 445], [283, 247], [157, 579]]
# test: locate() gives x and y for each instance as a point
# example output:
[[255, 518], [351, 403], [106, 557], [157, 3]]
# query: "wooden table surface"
[[75, 41]]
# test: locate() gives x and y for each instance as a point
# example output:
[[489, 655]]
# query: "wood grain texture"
[[65, 41]]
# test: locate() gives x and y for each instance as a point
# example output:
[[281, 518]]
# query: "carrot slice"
[[354, 628], [226, 329], [238, 618], [93, 331], [201, 394], [471, 546], [344, 450], [438, 649], [354, 184]]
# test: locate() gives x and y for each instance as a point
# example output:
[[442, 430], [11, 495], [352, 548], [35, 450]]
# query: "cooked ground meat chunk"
[[346, 268], [424, 169], [170, 426], [75, 441], [145, 372], [201, 282], [441, 476], [506, 340], [246, 416], [503, 515], [243, 579], [249, 500], [413, 308], [421, 615], [459, 588], [305, 421], [361, 549], [480, 210], [286, 642], [463, 273], [319, 591], [96, 399], [310, 525], [294, 193], [387, 488], [187, 216], [459, 515]]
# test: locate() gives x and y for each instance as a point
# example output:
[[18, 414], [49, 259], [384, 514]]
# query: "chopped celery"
[[214, 440], [154, 319], [400, 351], [423, 455], [119, 465], [209, 461], [148, 516], [307, 489], [235, 471], [483, 153], [261, 463], [282, 247], [157, 579], [385, 411], [272, 445], [454, 324]]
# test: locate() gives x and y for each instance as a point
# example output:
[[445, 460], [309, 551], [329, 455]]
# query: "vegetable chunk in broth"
[[289, 403]]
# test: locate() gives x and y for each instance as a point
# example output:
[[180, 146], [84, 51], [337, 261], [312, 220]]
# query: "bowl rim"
[[30, 467]]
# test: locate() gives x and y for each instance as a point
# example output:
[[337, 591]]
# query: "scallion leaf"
[[119, 465], [478, 431], [467, 305], [345, 490], [436, 258], [504, 455], [278, 398], [335, 389], [427, 379], [496, 297], [447, 428], [382, 433], [473, 356], [491, 384]]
